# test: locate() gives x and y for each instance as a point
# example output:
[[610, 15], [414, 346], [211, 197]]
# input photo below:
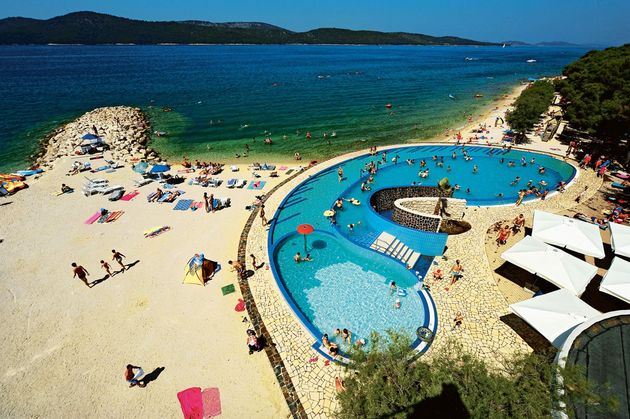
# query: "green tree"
[[534, 101], [383, 382], [597, 91]]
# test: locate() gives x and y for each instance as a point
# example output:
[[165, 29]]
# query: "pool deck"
[[476, 295]]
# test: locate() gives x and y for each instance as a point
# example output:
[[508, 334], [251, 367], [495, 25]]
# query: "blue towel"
[[183, 204]]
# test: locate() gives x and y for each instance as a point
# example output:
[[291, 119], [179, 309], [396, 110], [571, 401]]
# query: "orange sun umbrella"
[[305, 230]]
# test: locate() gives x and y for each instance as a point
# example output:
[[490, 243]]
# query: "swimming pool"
[[346, 284], [343, 286]]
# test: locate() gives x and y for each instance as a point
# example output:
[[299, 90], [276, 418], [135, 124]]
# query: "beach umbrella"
[[160, 168], [620, 239], [576, 235], [616, 282], [554, 265], [554, 315], [305, 230], [140, 167]]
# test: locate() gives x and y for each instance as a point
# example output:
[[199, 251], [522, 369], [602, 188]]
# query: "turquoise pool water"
[[346, 284], [345, 287]]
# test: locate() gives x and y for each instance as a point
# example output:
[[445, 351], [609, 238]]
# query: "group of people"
[[80, 272], [345, 335]]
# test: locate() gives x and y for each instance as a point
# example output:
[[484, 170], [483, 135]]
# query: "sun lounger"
[[234, 168], [111, 189], [268, 167], [241, 183], [116, 195], [140, 183], [214, 182], [222, 202], [231, 183], [96, 181]]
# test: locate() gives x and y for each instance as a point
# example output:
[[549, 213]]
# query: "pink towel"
[[283, 168], [130, 196], [191, 402], [211, 402], [93, 218]]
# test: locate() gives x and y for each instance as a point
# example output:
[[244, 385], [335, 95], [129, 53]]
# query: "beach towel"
[[164, 197], [183, 204], [283, 168], [93, 218], [211, 402], [240, 306], [150, 196], [191, 402], [228, 289], [130, 196], [156, 231], [99, 169], [289, 171], [619, 185], [196, 205], [259, 184], [103, 218], [114, 216], [231, 183]]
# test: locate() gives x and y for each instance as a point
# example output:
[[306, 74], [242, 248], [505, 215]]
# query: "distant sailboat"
[[503, 46], [451, 96]]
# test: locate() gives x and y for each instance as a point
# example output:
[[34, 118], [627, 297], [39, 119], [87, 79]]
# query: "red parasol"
[[305, 230]]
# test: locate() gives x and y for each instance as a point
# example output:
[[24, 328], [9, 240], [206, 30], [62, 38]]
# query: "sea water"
[[223, 97]]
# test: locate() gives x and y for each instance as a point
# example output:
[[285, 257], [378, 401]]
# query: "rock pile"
[[125, 129]]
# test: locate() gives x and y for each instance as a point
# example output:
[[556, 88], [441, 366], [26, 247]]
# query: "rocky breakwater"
[[124, 129]]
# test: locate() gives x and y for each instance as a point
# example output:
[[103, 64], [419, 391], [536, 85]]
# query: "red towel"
[[240, 306], [191, 402], [130, 196], [211, 402]]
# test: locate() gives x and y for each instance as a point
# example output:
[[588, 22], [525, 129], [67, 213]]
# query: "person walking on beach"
[[211, 202], [236, 267], [263, 218], [107, 267], [81, 272], [118, 257], [133, 375], [206, 206]]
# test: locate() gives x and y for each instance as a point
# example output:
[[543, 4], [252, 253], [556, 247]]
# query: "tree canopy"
[[454, 384], [597, 89], [534, 101]]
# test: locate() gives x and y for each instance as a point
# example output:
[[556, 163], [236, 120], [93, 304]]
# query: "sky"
[[604, 22]]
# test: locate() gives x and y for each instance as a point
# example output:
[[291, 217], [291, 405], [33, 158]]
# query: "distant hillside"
[[542, 44], [96, 28]]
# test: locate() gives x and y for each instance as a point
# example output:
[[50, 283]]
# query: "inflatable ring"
[[424, 334]]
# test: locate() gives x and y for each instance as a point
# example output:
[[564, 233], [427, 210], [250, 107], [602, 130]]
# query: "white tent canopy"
[[554, 265], [576, 235], [616, 282], [554, 315], [620, 239]]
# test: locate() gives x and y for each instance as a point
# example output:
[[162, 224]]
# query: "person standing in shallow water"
[[340, 173]]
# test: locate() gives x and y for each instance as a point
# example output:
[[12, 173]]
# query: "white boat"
[[530, 61]]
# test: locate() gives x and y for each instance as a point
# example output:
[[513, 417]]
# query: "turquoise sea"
[[223, 96]]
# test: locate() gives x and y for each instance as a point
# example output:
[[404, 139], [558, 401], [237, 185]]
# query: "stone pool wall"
[[412, 219], [454, 208], [384, 199]]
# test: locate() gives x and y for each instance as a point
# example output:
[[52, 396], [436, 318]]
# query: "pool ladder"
[[389, 245]]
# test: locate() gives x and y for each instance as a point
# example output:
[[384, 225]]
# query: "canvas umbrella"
[[305, 230], [160, 168], [140, 167], [616, 282], [576, 235], [620, 239], [554, 315], [554, 265]]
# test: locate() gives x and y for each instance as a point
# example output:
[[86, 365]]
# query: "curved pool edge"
[[428, 304]]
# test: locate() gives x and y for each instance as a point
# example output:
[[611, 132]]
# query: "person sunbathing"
[[157, 196], [173, 196], [437, 274]]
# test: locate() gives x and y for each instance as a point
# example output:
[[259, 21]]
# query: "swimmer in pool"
[[397, 304], [392, 287]]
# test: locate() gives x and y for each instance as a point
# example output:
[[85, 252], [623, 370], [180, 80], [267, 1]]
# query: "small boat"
[[29, 172], [160, 133], [478, 95], [451, 97], [531, 60], [388, 106]]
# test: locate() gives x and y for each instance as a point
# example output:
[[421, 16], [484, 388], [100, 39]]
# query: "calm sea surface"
[[226, 96]]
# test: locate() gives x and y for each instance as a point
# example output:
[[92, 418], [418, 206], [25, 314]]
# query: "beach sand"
[[65, 346]]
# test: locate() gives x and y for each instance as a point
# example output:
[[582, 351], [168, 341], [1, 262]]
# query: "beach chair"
[[241, 183], [110, 189], [214, 182], [222, 202], [231, 183], [256, 175], [142, 182], [234, 168], [90, 189], [96, 181]]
